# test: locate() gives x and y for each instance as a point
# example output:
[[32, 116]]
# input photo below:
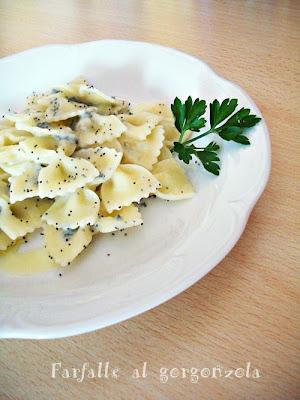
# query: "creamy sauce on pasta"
[[80, 146], [25, 262]]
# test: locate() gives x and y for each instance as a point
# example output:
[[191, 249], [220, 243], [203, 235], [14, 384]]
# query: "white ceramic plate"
[[179, 242]]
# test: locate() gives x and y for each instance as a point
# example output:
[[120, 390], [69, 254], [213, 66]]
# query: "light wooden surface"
[[246, 309]]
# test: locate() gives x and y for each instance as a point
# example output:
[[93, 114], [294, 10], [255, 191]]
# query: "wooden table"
[[245, 310]]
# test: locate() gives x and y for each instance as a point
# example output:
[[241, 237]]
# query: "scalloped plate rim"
[[91, 324]]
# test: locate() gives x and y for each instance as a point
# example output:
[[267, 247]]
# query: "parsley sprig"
[[224, 121]]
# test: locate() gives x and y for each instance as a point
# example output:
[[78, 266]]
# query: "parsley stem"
[[200, 136], [181, 136]]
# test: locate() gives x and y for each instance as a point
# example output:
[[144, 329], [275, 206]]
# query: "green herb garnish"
[[224, 121]]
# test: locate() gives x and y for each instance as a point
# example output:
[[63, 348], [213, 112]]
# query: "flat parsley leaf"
[[242, 119], [234, 128], [178, 110], [207, 155], [219, 112], [185, 152], [188, 116], [233, 133]]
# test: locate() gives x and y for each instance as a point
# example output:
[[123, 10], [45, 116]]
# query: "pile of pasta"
[[77, 163]]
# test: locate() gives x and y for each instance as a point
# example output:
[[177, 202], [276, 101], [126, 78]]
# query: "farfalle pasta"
[[9, 136], [143, 152], [93, 128], [77, 163], [65, 175], [5, 241], [16, 220], [121, 219], [140, 125], [105, 159], [129, 184], [63, 245], [174, 185], [25, 185], [73, 210]]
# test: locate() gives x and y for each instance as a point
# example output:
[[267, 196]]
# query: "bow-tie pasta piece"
[[140, 125], [25, 185], [41, 129], [91, 186], [65, 176], [161, 109], [3, 175], [171, 133], [18, 119], [112, 144], [128, 184], [21, 218], [73, 210], [40, 149], [105, 104], [67, 146], [11, 136], [10, 155], [38, 102], [6, 122], [31, 210], [5, 241], [10, 224], [4, 191], [143, 152], [174, 183], [165, 153], [13, 118], [65, 245], [93, 128], [35, 103], [45, 149], [70, 89], [78, 90], [167, 120], [32, 107], [16, 169], [60, 108], [36, 126], [106, 161], [127, 217]]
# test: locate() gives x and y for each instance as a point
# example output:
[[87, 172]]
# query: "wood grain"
[[247, 308]]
